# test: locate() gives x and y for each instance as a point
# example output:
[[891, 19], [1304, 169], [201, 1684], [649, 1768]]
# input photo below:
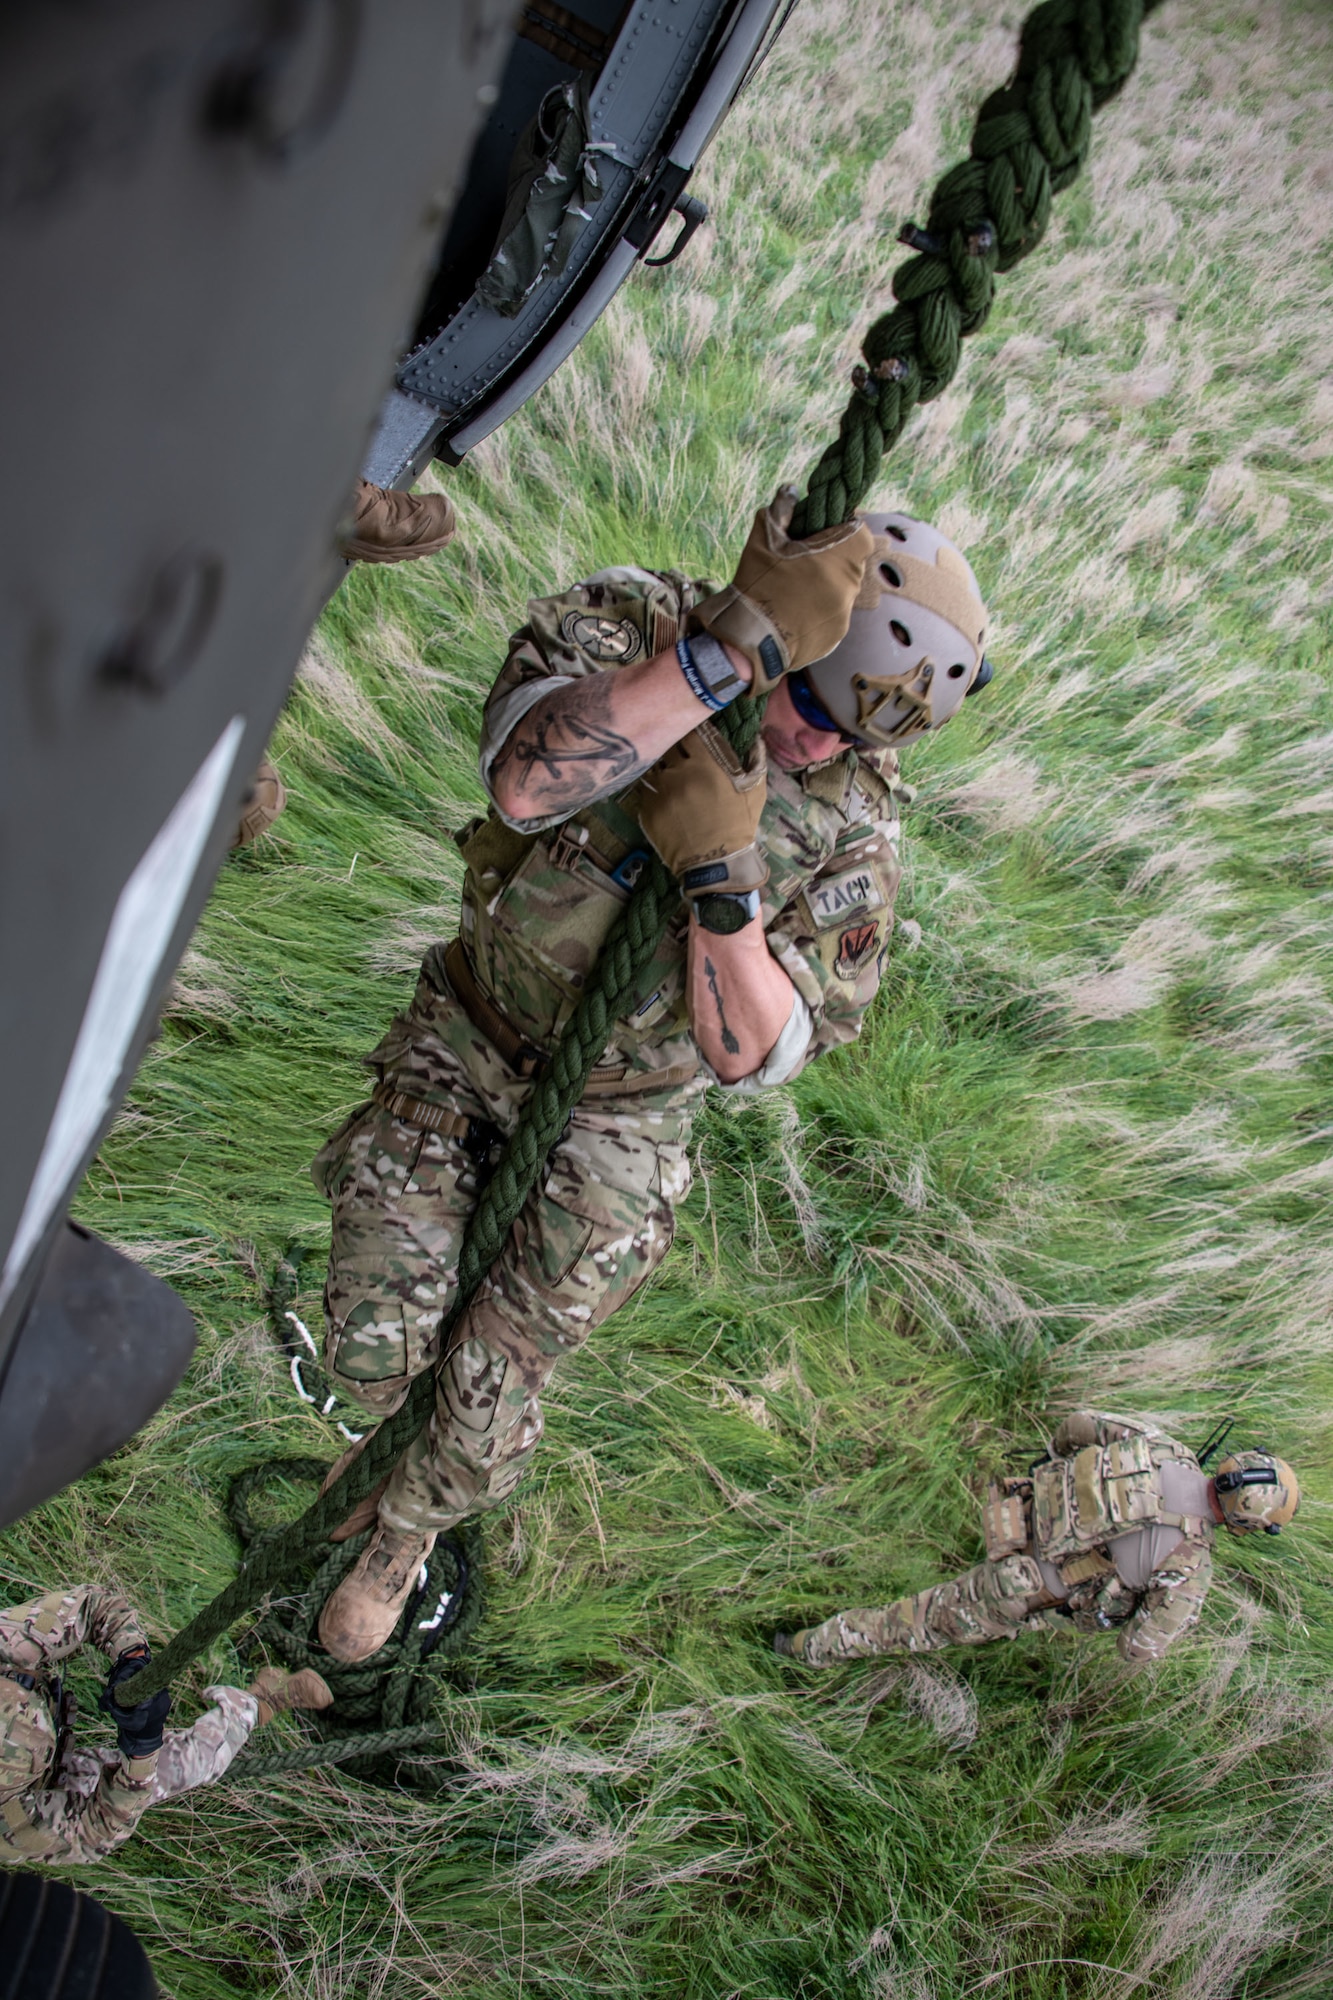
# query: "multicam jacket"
[[51, 1822], [1120, 1517], [538, 901]]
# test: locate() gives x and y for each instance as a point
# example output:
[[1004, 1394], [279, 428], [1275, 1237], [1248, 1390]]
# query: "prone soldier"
[[60, 1803], [598, 745], [1112, 1532]]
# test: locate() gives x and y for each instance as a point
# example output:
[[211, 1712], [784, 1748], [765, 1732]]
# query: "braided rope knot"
[[986, 214]]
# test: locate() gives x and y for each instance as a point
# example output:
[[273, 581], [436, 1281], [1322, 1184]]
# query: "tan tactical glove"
[[790, 602], [700, 808]]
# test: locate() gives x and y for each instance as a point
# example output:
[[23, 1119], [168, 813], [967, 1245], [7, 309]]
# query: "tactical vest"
[[42, 1736], [537, 908], [1081, 1502]]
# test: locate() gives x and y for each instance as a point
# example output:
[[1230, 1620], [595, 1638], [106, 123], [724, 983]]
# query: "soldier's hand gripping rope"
[[139, 1730]]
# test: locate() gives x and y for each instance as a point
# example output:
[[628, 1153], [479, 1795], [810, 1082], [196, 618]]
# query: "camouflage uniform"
[[1119, 1537], [89, 1800], [536, 907]]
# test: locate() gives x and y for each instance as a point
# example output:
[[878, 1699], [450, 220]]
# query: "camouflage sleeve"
[[66, 1825], [1171, 1604], [612, 619], [52, 1627], [831, 941]]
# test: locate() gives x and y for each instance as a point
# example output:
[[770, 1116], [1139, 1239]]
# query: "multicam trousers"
[[598, 1222], [995, 1600]]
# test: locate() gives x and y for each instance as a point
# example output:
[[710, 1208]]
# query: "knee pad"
[[472, 1384]]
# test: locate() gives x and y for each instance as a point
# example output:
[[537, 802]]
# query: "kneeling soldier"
[[1113, 1531], [60, 1803], [598, 746]]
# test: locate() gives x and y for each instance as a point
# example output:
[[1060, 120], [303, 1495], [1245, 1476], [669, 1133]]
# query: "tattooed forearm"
[[729, 1042], [565, 753]]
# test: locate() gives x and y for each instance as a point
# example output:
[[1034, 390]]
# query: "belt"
[[27, 1681], [529, 1061], [521, 1055], [477, 1136]]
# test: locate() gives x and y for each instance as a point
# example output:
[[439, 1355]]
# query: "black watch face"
[[721, 914]]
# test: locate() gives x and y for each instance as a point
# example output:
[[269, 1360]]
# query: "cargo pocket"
[[558, 1242], [1014, 1585], [368, 1343], [390, 1273], [592, 1245]]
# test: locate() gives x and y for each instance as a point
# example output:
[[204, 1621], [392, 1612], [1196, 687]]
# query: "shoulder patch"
[[875, 794], [857, 944], [837, 897], [615, 640], [666, 630]]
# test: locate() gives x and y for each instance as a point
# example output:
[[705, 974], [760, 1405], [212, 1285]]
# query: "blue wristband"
[[709, 674], [695, 679]]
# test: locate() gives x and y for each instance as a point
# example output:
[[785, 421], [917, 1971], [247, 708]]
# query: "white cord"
[[304, 1332], [298, 1384], [431, 1624], [353, 1437]]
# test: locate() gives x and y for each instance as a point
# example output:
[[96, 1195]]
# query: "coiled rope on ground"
[[385, 1709], [1030, 140]]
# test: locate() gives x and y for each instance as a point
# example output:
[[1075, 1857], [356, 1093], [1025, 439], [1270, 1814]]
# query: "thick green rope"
[[376, 1743], [1030, 141], [986, 214]]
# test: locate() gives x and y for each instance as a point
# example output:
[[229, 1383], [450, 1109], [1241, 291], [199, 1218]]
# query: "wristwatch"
[[727, 910]]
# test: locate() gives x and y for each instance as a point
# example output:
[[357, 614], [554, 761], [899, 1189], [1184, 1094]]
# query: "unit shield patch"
[[855, 946], [614, 640]]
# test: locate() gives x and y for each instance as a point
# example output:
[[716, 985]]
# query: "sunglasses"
[[812, 710]]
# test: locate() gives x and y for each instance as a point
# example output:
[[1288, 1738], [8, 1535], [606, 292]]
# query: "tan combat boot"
[[366, 1512], [265, 796], [389, 526], [364, 1609], [276, 1691]]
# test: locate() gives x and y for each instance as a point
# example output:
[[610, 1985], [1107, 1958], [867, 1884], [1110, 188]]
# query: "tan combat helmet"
[[27, 1737], [914, 647], [1256, 1489]]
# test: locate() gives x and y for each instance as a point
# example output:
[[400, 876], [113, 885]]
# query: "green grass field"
[[1080, 1154]]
